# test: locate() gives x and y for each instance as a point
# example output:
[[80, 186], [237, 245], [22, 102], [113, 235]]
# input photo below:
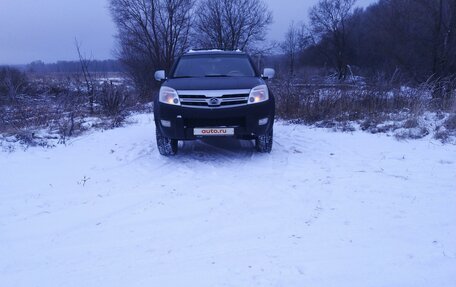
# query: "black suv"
[[214, 93]]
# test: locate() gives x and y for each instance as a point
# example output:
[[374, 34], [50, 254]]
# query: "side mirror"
[[268, 73], [160, 75]]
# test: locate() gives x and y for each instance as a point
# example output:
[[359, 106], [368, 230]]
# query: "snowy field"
[[323, 209]]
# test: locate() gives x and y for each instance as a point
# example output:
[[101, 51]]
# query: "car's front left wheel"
[[263, 143], [166, 146]]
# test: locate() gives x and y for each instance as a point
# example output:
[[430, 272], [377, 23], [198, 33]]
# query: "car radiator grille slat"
[[213, 99]]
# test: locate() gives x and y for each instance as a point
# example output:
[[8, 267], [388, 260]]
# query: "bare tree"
[[442, 15], [12, 82], [231, 24], [413, 37], [328, 20], [260, 53], [151, 34], [87, 76], [295, 42]]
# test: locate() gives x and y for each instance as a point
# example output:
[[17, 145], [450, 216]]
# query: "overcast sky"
[[46, 29]]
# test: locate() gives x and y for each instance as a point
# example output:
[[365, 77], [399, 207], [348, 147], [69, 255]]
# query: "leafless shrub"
[[413, 133], [112, 99], [12, 83], [88, 79], [379, 123], [447, 131], [443, 92], [344, 126], [341, 102], [56, 108], [287, 94], [411, 123], [405, 112], [441, 135], [66, 127], [450, 123]]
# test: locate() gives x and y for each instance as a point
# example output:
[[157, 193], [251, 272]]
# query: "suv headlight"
[[169, 96], [259, 94]]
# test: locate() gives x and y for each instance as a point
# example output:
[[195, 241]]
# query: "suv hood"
[[222, 83]]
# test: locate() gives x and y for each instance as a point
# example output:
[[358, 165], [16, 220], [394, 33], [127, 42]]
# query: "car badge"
[[214, 102]]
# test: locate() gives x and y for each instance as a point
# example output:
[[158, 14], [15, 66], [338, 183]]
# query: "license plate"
[[213, 131]]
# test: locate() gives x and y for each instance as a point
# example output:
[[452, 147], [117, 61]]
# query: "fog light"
[[166, 124], [262, 122]]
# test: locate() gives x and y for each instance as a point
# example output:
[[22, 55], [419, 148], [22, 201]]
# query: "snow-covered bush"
[[405, 112], [55, 108]]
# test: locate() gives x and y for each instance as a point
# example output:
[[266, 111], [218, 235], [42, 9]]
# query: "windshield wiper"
[[215, 75], [183, 77]]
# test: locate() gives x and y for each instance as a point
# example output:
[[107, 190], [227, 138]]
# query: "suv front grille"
[[214, 98]]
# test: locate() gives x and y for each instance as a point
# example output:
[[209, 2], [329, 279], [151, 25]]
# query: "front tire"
[[263, 143], [166, 146]]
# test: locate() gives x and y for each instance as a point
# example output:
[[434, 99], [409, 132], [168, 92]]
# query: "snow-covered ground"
[[323, 209]]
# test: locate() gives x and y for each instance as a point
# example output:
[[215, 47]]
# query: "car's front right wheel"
[[166, 146], [263, 143]]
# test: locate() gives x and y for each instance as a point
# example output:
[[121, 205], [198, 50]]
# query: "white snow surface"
[[323, 209]]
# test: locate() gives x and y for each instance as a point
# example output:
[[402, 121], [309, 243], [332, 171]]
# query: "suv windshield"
[[214, 66]]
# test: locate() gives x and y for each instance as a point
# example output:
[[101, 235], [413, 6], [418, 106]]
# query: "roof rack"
[[211, 50]]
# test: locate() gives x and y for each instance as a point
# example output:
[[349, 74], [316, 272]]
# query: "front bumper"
[[244, 119]]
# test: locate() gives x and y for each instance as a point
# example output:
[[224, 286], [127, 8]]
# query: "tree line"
[[96, 66], [401, 40]]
